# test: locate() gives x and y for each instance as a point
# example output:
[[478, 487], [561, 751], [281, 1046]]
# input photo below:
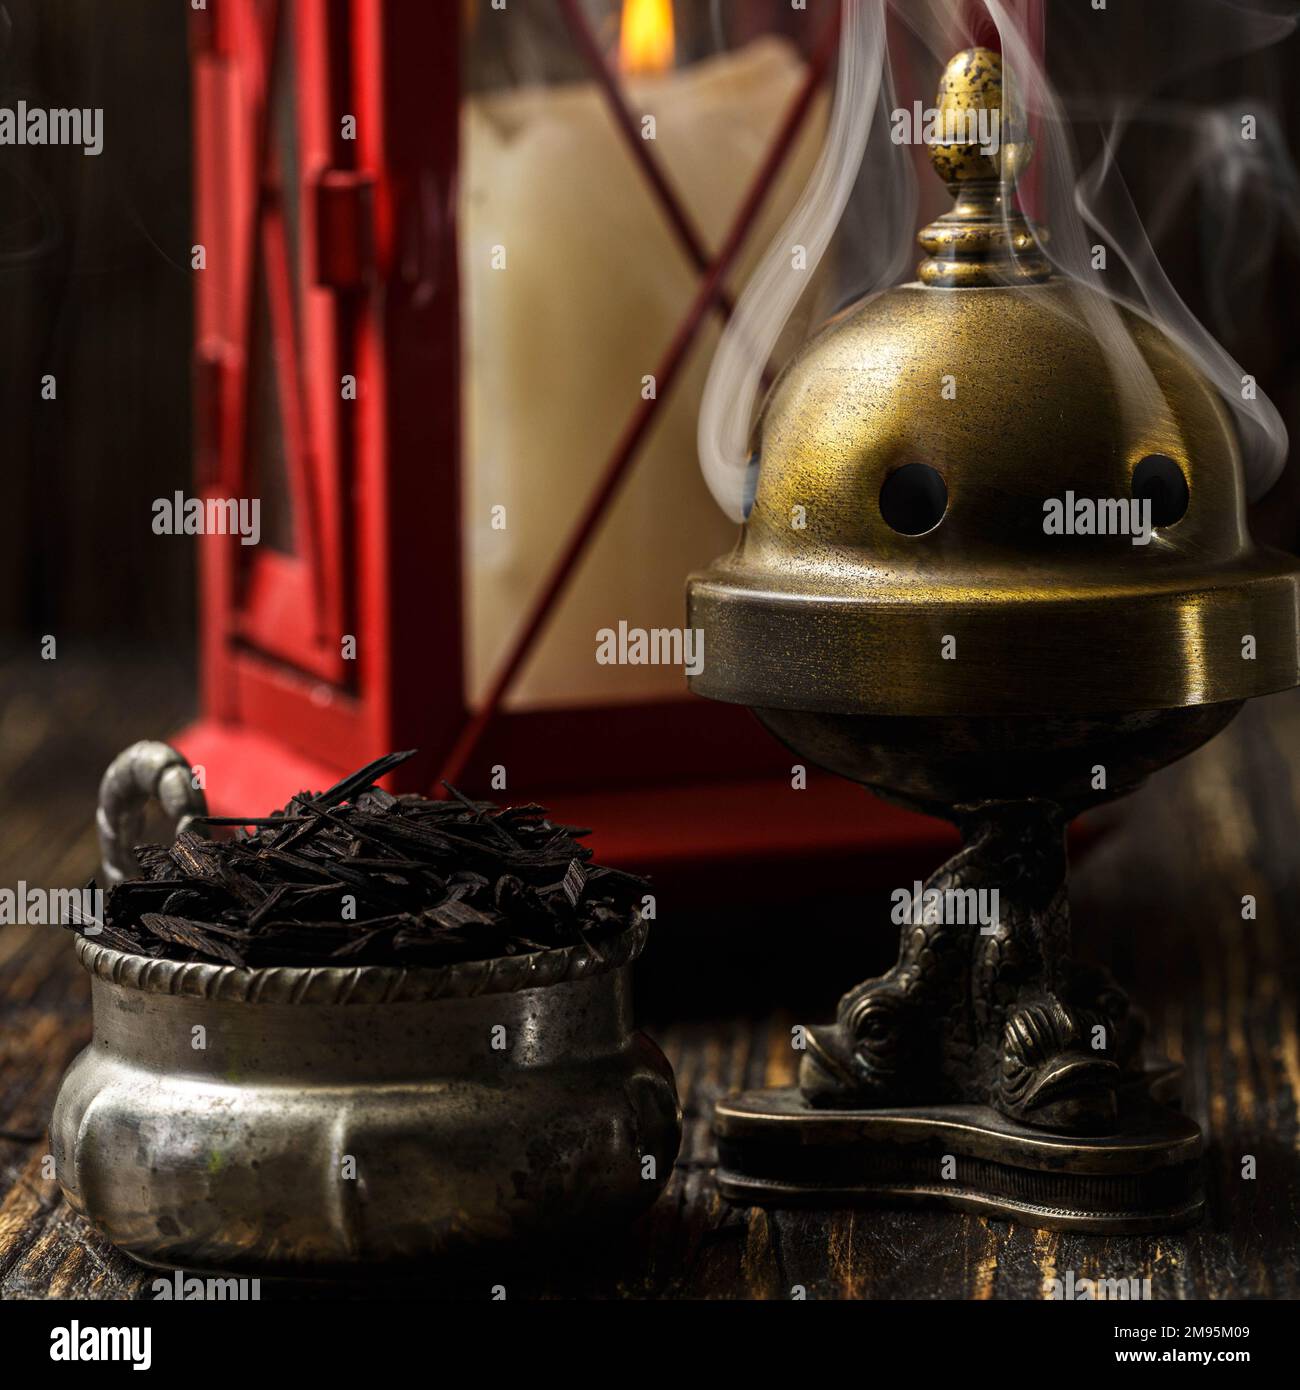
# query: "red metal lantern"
[[328, 384], [329, 261]]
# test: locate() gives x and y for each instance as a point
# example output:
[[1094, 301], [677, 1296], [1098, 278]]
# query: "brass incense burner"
[[897, 611]]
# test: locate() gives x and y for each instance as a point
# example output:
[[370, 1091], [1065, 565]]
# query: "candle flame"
[[645, 41]]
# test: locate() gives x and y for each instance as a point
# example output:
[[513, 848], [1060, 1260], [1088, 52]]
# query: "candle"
[[574, 285]]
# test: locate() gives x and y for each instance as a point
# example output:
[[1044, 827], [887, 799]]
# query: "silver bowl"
[[300, 1120]]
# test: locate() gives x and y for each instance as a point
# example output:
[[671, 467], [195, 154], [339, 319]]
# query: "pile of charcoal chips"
[[357, 876]]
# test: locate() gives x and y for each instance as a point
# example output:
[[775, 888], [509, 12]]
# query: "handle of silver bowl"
[[144, 772]]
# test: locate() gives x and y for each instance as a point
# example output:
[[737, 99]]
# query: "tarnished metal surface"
[[985, 239], [898, 611], [986, 1008], [773, 1148], [823, 606], [292, 1122], [935, 763], [1010, 395], [144, 772]]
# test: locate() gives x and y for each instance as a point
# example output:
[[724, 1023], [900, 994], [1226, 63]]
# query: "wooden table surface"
[[1160, 896]]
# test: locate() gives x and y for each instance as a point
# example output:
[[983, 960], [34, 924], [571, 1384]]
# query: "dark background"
[[95, 288]]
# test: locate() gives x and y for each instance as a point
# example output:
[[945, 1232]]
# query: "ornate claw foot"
[[983, 1004]]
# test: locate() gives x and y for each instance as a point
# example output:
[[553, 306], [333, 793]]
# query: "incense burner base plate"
[[775, 1149]]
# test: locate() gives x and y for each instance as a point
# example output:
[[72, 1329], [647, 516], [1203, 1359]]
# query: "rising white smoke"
[[1082, 209]]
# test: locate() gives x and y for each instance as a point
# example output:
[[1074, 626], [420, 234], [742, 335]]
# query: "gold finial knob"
[[982, 149]]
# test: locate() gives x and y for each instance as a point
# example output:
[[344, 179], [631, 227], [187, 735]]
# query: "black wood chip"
[[355, 875]]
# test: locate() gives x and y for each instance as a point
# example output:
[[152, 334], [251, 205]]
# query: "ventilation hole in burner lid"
[[751, 484], [913, 499], [1160, 481]]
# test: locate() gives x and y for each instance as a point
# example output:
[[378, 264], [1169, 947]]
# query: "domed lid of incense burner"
[[944, 518]]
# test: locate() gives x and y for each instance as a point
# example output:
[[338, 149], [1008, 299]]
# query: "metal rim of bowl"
[[363, 984]]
